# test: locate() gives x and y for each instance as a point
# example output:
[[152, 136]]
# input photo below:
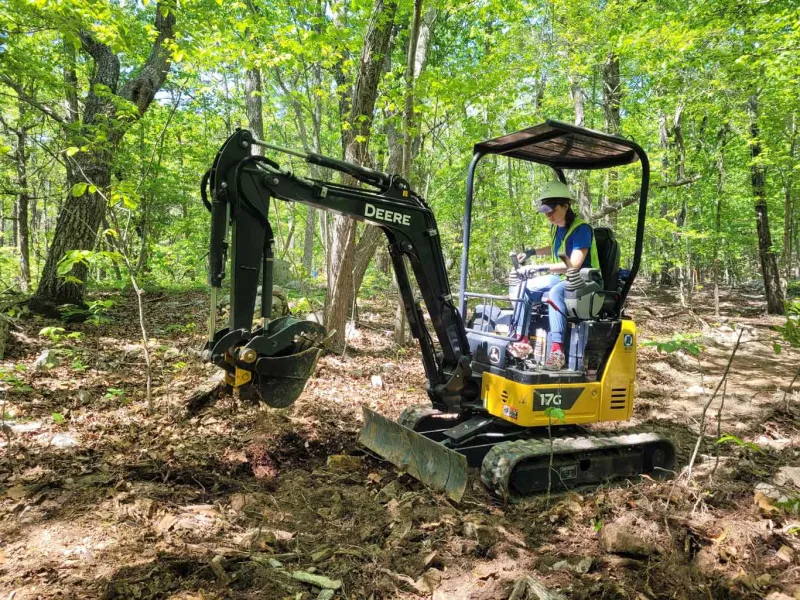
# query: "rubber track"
[[502, 459]]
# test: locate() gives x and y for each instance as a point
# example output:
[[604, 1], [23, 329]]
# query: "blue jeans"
[[534, 288]]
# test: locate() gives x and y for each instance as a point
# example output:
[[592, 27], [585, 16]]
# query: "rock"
[[63, 440], [704, 561], [788, 476], [280, 305], [376, 381], [46, 360], [388, 367], [352, 332], [786, 554], [779, 596], [219, 570], [622, 538], [581, 566], [27, 427], [344, 462], [314, 317], [483, 535]]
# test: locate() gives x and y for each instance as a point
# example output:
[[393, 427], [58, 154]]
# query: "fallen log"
[[204, 394]]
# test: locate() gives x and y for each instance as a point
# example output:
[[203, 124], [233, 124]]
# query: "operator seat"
[[608, 256]]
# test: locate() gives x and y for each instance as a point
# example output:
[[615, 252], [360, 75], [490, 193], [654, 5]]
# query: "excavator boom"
[[273, 362]]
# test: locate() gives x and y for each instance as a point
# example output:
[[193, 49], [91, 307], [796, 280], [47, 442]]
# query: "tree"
[[110, 105], [341, 292]]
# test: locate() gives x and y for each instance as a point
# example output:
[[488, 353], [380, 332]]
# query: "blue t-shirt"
[[580, 238]]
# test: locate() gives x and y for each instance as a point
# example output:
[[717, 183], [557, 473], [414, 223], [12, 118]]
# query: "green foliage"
[[114, 393], [680, 67], [732, 439], [790, 331], [57, 418], [678, 343], [554, 413], [54, 334]]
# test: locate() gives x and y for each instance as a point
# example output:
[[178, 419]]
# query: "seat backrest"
[[608, 255]]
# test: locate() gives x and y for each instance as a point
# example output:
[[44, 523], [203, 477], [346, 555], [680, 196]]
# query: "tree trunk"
[[758, 179], [254, 104], [579, 179], [788, 204], [308, 240], [22, 203], [80, 217], [718, 218], [340, 291], [612, 99]]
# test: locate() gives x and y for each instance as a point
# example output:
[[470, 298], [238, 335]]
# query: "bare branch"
[[25, 97]]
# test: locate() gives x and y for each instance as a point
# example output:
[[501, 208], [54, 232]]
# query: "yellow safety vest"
[[595, 261]]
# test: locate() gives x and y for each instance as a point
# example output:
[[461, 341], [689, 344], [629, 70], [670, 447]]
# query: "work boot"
[[556, 361]]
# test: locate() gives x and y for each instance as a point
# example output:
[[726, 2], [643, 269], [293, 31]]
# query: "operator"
[[569, 235]]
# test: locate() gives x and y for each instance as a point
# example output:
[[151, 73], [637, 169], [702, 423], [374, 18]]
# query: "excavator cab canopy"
[[562, 146]]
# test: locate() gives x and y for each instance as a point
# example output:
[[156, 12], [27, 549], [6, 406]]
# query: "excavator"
[[492, 407]]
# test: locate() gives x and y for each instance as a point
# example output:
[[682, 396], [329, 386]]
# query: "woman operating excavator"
[[572, 237]]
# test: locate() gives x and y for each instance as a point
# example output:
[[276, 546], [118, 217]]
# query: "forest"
[[126, 472]]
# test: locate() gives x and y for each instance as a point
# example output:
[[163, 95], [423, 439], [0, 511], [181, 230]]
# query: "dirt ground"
[[100, 499]]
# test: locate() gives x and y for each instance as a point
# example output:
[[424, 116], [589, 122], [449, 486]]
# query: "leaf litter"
[[237, 502]]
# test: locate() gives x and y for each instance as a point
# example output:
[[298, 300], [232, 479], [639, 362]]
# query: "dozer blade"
[[433, 464]]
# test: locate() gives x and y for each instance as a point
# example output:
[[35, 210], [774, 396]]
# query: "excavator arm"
[[276, 359]]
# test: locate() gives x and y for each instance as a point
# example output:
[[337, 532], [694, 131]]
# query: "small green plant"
[[58, 334], [732, 439], [98, 312], [58, 417], [679, 342], [554, 413], [16, 383], [79, 365], [187, 329], [178, 366], [114, 393], [790, 331], [597, 524], [54, 334]]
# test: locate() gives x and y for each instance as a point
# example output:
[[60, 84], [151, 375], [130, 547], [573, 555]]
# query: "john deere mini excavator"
[[490, 405]]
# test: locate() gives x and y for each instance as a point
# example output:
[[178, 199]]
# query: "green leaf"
[[73, 150], [79, 189], [92, 189], [58, 417], [776, 347], [555, 413]]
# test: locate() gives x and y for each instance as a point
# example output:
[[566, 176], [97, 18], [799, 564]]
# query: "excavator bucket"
[[281, 379], [433, 464]]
